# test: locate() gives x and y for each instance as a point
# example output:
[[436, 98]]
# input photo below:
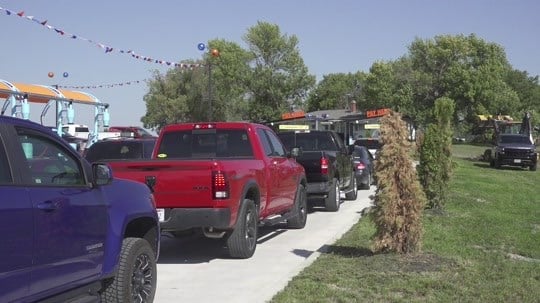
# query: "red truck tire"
[[299, 218], [243, 239]]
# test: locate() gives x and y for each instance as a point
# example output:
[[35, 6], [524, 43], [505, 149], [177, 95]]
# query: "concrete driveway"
[[197, 269]]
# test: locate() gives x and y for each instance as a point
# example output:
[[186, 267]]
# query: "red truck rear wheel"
[[243, 239], [300, 209]]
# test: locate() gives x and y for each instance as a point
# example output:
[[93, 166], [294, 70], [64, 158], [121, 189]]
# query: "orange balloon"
[[215, 53], [50, 74]]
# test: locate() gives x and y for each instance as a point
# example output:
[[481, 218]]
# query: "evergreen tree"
[[435, 166], [399, 199]]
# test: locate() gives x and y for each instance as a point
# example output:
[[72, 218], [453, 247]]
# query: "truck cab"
[[71, 232]]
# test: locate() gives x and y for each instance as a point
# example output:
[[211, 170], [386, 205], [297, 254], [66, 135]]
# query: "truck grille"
[[517, 153]]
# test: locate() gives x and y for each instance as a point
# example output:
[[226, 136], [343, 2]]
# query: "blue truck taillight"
[[220, 185], [324, 165]]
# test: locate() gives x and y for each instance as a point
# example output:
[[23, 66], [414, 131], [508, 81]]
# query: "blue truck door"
[[17, 233], [70, 230], [70, 217]]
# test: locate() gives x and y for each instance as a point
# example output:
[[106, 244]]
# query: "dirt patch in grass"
[[389, 262], [417, 263]]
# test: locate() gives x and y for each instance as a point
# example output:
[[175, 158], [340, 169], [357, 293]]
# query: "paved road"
[[196, 269]]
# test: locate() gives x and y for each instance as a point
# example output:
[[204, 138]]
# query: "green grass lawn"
[[485, 247]]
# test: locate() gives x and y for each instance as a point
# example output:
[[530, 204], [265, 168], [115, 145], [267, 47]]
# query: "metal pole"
[[209, 91]]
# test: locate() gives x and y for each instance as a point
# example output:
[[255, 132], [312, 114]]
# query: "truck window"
[[277, 147], [119, 150], [205, 143], [5, 171], [49, 162], [265, 142]]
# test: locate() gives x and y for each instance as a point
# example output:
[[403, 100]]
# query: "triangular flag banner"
[[108, 49]]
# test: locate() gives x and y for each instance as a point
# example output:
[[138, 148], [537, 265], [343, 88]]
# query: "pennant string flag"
[[107, 49], [102, 85]]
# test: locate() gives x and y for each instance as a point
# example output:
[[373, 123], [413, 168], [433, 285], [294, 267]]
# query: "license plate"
[[161, 214], [517, 160]]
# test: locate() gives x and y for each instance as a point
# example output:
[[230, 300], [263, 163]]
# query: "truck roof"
[[20, 121], [210, 125]]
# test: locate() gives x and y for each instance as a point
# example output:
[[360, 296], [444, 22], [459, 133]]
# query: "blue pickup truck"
[[70, 231]]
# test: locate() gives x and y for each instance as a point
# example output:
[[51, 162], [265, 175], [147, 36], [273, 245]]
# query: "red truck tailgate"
[[177, 184]]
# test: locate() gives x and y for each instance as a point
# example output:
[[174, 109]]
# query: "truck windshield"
[[205, 143], [515, 139]]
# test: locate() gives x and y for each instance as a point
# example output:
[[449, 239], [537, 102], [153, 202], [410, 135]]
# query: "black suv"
[[120, 149], [514, 150]]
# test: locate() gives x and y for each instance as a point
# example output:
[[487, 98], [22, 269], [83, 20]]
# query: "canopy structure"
[[18, 96]]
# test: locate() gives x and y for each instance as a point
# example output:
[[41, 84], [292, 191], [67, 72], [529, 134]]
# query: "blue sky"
[[337, 36]]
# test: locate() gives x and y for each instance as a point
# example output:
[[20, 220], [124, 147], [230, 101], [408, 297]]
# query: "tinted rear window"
[[206, 143], [359, 152], [308, 141], [120, 150], [369, 143]]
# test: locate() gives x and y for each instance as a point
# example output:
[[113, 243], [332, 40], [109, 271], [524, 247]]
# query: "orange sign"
[[293, 115], [377, 112]]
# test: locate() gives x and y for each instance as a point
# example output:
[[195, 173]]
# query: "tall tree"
[[279, 79], [466, 69], [334, 91], [388, 85], [399, 199], [226, 76], [171, 98], [528, 91], [435, 167]]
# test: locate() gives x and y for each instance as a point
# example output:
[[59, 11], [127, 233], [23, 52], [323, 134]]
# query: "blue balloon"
[[65, 74], [201, 46]]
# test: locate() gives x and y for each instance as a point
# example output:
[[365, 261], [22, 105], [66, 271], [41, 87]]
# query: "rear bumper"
[[362, 177], [318, 188], [177, 219]]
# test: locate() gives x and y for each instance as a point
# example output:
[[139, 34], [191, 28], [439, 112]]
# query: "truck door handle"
[[48, 206]]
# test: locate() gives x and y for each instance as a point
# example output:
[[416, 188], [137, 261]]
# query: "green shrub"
[[435, 167]]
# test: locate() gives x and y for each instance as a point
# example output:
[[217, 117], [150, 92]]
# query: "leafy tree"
[[388, 85], [334, 91], [229, 73], [399, 199], [279, 78], [528, 91], [435, 167], [466, 69], [171, 98]]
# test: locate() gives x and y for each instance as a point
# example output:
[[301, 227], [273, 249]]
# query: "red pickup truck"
[[224, 177]]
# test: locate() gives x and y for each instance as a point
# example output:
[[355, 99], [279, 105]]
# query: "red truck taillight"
[[220, 185], [324, 166], [360, 166]]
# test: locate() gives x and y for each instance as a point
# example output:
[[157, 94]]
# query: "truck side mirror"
[[101, 174], [295, 152]]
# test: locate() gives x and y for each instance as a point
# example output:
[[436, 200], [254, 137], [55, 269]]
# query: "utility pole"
[[214, 53], [210, 111]]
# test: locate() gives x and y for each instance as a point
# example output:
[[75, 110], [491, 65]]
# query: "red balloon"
[[50, 74], [215, 53]]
